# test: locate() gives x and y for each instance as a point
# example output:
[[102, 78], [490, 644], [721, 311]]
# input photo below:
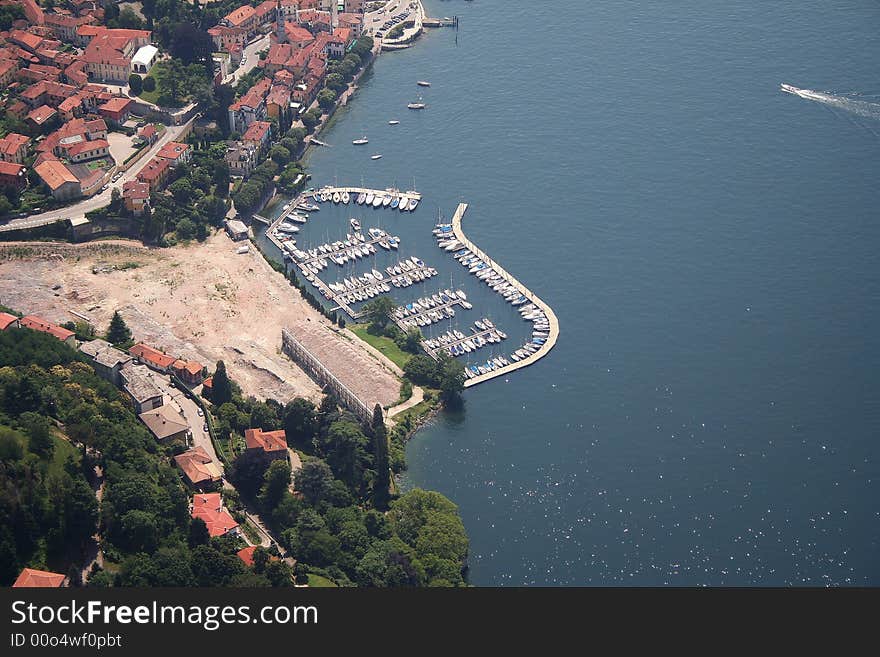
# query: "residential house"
[[13, 148], [198, 468], [144, 59], [250, 107], [138, 382], [258, 135], [209, 507], [241, 158], [190, 372], [270, 445], [149, 133], [65, 27], [152, 358], [136, 196], [13, 175], [278, 101], [117, 110], [38, 117], [107, 360], [30, 578], [60, 181], [7, 320], [247, 555], [88, 150], [175, 152], [8, 70], [155, 173], [166, 424], [38, 324], [244, 18]]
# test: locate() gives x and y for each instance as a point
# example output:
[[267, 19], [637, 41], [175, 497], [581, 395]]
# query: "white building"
[[144, 59]]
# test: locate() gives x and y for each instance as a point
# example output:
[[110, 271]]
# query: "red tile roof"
[[42, 579], [12, 142], [55, 174], [37, 324], [240, 15], [82, 147], [134, 189], [209, 507], [150, 355], [247, 555], [5, 320], [257, 132], [153, 169], [116, 105], [268, 441], [198, 466], [42, 114], [172, 150], [10, 169]]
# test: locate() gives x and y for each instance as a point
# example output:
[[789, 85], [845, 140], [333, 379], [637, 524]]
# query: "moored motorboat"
[[369, 199], [376, 156], [393, 122], [377, 201], [360, 142], [337, 197], [386, 201], [345, 197], [423, 83]]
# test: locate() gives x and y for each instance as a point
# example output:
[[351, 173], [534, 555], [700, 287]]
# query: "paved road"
[[250, 52], [190, 411], [98, 200]]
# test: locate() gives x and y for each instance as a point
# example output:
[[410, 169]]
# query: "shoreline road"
[[98, 200]]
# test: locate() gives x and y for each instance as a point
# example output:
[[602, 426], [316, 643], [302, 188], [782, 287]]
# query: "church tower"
[[280, 32]]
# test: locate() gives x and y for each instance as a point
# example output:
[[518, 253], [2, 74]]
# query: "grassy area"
[[252, 533], [150, 96], [411, 415], [96, 164], [319, 581], [386, 345], [63, 449]]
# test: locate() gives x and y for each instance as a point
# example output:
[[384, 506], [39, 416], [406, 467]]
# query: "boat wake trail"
[[862, 108]]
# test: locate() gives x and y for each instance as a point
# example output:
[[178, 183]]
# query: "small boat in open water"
[[377, 156], [360, 142], [423, 83], [393, 122]]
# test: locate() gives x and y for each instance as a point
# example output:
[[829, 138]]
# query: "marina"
[[429, 310], [532, 308]]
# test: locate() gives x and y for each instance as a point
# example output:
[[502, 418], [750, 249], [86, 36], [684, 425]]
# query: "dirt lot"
[[202, 302]]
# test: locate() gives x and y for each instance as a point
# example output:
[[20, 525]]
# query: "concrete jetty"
[[531, 296], [353, 193]]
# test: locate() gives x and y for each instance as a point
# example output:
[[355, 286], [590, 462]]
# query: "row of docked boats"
[[375, 198], [486, 272], [430, 309], [456, 343], [472, 371], [359, 288]]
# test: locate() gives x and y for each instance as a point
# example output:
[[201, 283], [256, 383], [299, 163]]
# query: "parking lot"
[[120, 146]]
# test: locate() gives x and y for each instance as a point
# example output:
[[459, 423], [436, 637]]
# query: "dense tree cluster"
[[445, 374]]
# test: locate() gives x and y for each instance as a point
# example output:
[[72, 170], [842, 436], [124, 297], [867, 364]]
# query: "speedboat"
[[393, 122], [361, 198], [360, 142], [423, 83], [377, 201], [345, 197], [287, 228], [416, 106], [386, 201], [369, 199], [377, 156], [395, 203], [355, 223]]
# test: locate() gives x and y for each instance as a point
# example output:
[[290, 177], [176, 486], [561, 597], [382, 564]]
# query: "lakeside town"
[[132, 120]]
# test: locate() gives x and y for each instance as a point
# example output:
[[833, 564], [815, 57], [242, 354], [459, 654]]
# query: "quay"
[[531, 296]]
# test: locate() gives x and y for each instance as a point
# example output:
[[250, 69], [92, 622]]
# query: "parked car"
[[201, 412], [205, 428]]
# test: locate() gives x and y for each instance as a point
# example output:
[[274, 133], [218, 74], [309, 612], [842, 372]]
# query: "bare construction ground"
[[202, 302]]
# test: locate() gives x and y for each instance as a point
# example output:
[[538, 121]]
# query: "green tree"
[[344, 449], [186, 229], [313, 480], [275, 483], [411, 341], [300, 422], [221, 179], [198, 533], [182, 191], [278, 573], [135, 84], [118, 333], [39, 434], [382, 483], [139, 532], [149, 83], [450, 376], [326, 98], [280, 154], [222, 387], [379, 311]]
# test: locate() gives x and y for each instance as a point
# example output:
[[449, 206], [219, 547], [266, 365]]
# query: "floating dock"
[[353, 192], [531, 296]]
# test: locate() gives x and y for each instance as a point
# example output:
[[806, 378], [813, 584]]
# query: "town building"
[[258, 135], [136, 196], [198, 468], [88, 150], [38, 324], [29, 578], [241, 158], [144, 59], [13, 175], [117, 110], [236, 229], [13, 148], [209, 508], [166, 424], [107, 360], [190, 372], [109, 53], [138, 382], [152, 358], [7, 320], [60, 181], [175, 152], [270, 445], [155, 173]]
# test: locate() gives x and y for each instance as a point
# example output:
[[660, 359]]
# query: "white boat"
[[377, 201], [337, 197], [423, 83], [393, 122], [377, 156], [404, 204], [361, 198], [377, 275], [417, 106], [360, 142], [285, 227], [413, 204], [355, 223], [369, 199], [386, 201]]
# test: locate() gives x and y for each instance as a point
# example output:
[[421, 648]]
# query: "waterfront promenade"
[[531, 296]]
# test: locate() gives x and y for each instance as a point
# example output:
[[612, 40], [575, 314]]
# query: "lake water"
[[710, 245]]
